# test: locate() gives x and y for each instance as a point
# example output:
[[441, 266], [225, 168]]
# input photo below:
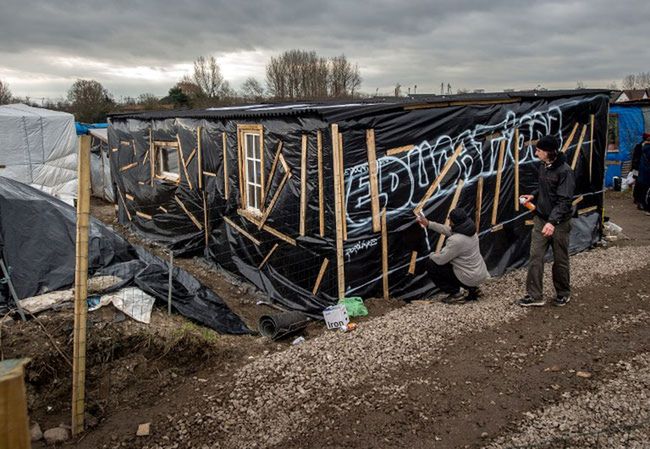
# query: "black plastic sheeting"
[[37, 239], [434, 132]]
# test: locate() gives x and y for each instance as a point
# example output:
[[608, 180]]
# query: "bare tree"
[[252, 89], [637, 81], [148, 101], [297, 74], [398, 90], [5, 93], [90, 102], [580, 84], [344, 78], [207, 75], [612, 85]]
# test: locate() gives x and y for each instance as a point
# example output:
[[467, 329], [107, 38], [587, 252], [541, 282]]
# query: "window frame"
[[158, 147], [245, 178]]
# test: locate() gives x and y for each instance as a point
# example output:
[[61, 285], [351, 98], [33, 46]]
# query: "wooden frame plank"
[[199, 155], [496, 228], [479, 203], [163, 209], [226, 183], [374, 185], [439, 179], [414, 259], [128, 214], [578, 149], [180, 152], [274, 166], [166, 143], [209, 173], [285, 166], [129, 166], [268, 256], [497, 189], [592, 119], [143, 215], [398, 150], [587, 210], [342, 190], [529, 222], [188, 213], [152, 156], [384, 254], [303, 184], [516, 157], [279, 234], [242, 231], [189, 158], [321, 273], [577, 200], [321, 196], [452, 206], [276, 195], [340, 264], [129, 196], [567, 143], [206, 220]]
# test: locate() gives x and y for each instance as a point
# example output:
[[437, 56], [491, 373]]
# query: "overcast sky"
[[139, 46]]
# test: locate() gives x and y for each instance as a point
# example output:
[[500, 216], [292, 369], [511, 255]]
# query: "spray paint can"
[[526, 203]]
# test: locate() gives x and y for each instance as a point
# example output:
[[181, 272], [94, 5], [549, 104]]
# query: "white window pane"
[[250, 145], [251, 200]]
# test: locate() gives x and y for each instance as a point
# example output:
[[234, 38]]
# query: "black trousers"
[[444, 277]]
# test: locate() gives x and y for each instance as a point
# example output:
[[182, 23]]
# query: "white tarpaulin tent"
[[39, 147]]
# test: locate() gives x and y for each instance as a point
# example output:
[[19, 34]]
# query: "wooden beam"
[[303, 185], [452, 206], [129, 197], [126, 209], [166, 143], [321, 196], [321, 273], [569, 139], [374, 185], [344, 219], [578, 149], [274, 165], [152, 157], [592, 119], [384, 254], [529, 222], [479, 203], [398, 150], [180, 152], [267, 257], [188, 213], [515, 149], [279, 234], [189, 158], [206, 219], [340, 267], [577, 200], [276, 195], [209, 173], [497, 190], [439, 179], [496, 228], [414, 259], [242, 231], [587, 210], [285, 166], [226, 183], [127, 167], [163, 209], [199, 155], [143, 215]]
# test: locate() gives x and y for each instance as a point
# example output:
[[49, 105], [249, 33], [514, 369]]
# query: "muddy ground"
[[418, 375]]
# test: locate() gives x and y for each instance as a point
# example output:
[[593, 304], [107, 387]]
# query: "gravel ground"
[[615, 415], [278, 395]]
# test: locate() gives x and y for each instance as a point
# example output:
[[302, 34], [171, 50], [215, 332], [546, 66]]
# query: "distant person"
[[640, 189], [643, 180], [551, 224], [459, 263]]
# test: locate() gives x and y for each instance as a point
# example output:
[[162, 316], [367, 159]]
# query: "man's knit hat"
[[548, 144]]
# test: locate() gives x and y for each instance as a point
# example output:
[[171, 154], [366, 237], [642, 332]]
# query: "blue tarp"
[[82, 128], [630, 132]]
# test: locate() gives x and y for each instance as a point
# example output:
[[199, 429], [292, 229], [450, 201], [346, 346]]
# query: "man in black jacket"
[[552, 224]]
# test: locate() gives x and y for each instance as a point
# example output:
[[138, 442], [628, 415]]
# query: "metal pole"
[[81, 287], [169, 289], [5, 273]]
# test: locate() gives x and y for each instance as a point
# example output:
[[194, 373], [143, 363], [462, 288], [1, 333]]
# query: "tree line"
[[293, 75]]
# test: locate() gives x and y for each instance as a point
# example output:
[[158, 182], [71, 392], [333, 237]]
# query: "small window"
[[612, 133], [251, 143], [167, 161]]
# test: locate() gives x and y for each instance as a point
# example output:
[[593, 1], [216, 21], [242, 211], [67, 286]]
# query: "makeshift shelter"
[[627, 123], [39, 147], [314, 202], [100, 167]]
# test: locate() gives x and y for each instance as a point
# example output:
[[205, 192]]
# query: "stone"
[[143, 429], [36, 432], [56, 435]]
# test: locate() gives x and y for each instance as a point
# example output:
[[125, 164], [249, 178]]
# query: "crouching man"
[[459, 263]]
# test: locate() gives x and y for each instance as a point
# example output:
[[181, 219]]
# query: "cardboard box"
[[336, 316]]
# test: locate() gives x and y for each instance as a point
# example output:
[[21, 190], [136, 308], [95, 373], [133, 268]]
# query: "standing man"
[[552, 224]]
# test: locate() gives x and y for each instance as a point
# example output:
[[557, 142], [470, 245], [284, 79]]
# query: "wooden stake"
[[279, 234], [479, 203], [180, 152], [321, 196], [242, 231], [276, 195], [303, 185], [587, 210], [206, 219], [569, 139], [189, 158], [340, 267], [129, 197], [321, 273], [516, 154], [268, 256], [414, 259], [274, 165], [188, 213], [591, 143], [578, 149], [199, 155], [497, 190], [374, 185], [226, 184], [143, 215], [577, 200], [452, 206], [126, 167], [398, 150], [126, 209], [214, 175], [438, 180], [344, 219], [152, 157], [81, 288], [384, 253]]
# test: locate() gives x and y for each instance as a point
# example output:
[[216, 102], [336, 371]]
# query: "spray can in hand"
[[524, 201]]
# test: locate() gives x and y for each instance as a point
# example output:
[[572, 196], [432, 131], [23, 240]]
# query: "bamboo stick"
[[303, 185], [578, 149], [321, 273], [452, 206], [372, 172], [267, 257], [497, 190], [384, 253], [188, 213], [340, 267], [438, 180], [321, 196], [242, 231]]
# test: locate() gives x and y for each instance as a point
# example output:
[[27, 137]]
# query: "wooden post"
[[14, 422], [591, 144], [384, 253], [321, 196], [479, 203], [303, 185], [342, 189], [206, 220], [81, 288], [321, 273], [578, 149], [170, 282], [414, 259], [152, 157], [497, 190], [340, 267], [438, 180], [516, 154], [226, 184], [199, 156], [570, 138], [374, 185], [452, 206]]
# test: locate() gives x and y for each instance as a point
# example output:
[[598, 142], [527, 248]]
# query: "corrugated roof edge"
[[349, 108]]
